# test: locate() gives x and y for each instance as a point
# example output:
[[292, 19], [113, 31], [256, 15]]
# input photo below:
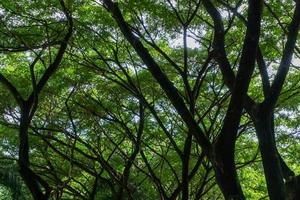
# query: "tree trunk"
[[226, 176], [185, 167], [293, 188], [270, 158], [29, 177]]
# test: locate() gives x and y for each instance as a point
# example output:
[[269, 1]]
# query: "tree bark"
[[270, 158], [185, 167], [29, 177], [226, 176], [293, 188]]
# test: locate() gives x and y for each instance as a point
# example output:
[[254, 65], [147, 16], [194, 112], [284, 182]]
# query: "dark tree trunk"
[[185, 167], [293, 188], [225, 171], [29, 177], [269, 154], [33, 186]]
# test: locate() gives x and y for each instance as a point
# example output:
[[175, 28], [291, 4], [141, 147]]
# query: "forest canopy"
[[149, 99]]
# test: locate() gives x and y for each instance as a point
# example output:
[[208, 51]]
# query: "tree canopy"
[[149, 99]]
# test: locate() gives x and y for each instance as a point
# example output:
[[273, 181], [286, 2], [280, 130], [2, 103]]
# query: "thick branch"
[[12, 89], [243, 77], [53, 66], [170, 90], [287, 56]]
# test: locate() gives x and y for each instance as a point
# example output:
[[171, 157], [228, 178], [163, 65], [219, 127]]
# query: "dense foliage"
[[149, 99]]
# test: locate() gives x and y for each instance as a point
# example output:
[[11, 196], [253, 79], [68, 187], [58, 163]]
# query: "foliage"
[[103, 125]]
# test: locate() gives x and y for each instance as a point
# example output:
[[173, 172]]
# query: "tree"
[[29, 104], [153, 99]]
